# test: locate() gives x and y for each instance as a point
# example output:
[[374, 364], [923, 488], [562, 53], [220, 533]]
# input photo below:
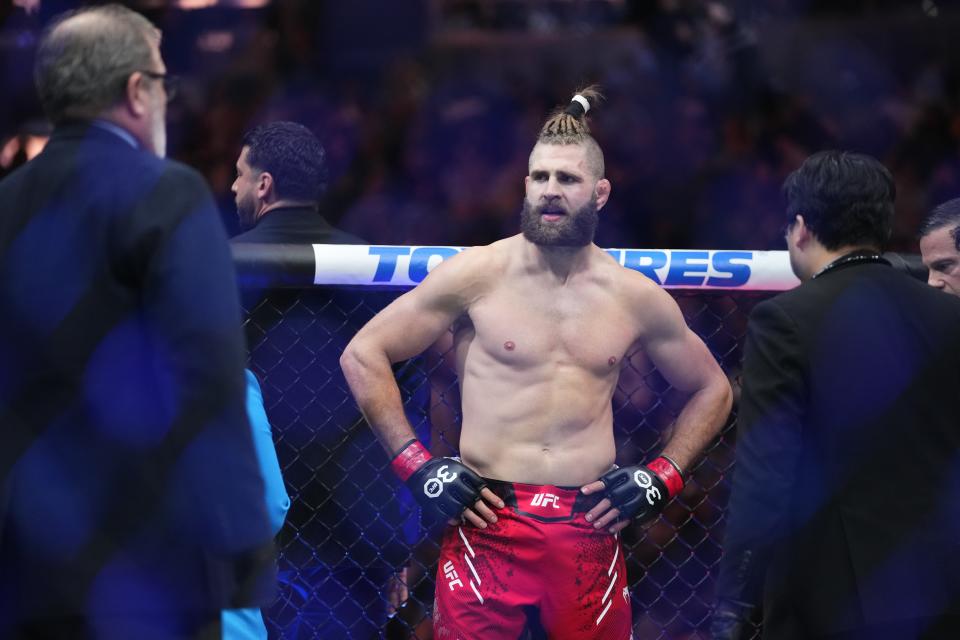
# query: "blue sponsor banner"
[[404, 266]]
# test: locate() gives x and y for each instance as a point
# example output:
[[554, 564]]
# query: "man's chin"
[[550, 240]]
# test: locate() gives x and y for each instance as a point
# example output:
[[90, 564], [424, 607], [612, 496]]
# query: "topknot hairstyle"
[[568, 125]]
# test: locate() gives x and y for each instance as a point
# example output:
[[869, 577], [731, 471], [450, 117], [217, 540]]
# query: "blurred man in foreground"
[[132, 505]]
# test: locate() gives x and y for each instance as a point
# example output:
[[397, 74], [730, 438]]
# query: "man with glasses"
[[131, 503]]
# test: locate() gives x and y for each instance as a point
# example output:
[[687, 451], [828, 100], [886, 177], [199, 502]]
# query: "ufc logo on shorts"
[[434, 486], [545, 500], [453, 580], [645, 482]]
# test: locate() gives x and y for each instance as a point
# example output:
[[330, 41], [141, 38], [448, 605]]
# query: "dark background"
[[429, 108]]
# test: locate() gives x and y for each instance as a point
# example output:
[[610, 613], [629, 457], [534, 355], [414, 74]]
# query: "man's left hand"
[[632, 492]]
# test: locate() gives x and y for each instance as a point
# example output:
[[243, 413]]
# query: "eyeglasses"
[[170, 82]]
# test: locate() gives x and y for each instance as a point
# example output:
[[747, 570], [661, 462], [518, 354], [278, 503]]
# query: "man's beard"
[[575, 229], [246, 212], [158, 132]]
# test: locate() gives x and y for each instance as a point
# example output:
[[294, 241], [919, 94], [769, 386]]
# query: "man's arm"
[[401, 331], [404, 329], [686, 363]]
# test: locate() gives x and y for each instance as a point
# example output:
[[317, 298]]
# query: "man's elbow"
[[358, 360], [351, 362], [724, 394]]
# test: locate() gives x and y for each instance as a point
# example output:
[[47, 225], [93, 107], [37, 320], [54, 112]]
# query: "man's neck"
[[560, 262], [117, 117], [286, 204], [825, 257], [117, 130]]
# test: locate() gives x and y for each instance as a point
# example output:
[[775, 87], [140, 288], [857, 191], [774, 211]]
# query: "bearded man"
[[543, 322]]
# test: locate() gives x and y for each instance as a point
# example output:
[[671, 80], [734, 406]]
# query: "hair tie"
[[578, 106]]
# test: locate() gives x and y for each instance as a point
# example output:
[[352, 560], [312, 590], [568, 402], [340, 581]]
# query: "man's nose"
[[934, 280], [552, 189]]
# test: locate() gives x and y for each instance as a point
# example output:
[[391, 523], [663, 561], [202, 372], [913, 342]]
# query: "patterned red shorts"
[[540, 554]]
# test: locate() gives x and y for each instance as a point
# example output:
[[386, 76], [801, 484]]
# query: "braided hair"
[[568, 125]]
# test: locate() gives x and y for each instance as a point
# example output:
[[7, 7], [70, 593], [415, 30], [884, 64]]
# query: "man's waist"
[[544, 502]]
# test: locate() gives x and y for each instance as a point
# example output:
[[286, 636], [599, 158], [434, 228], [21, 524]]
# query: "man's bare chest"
[[531, 328]]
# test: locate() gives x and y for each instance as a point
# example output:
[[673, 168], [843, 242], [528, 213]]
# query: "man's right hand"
[[445, 486]]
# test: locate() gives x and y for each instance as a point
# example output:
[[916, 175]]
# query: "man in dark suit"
[[844, 517], [281, 177], [342, 514], [131, 503]]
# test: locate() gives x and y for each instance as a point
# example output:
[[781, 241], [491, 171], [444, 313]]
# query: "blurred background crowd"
[[428, 108]]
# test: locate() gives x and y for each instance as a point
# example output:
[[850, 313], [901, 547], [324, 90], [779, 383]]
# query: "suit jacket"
[[129, 477], [349, 515], [845, 508], [295, 225]]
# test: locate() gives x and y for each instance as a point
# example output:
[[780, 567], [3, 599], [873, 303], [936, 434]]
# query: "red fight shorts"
[[541, 553]]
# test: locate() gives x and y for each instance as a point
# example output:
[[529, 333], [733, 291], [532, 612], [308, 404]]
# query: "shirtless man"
[[543, 322]]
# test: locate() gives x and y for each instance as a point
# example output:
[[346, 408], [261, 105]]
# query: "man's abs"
[[528, 452]]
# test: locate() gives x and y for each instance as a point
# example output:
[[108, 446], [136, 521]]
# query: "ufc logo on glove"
[[434, 486]]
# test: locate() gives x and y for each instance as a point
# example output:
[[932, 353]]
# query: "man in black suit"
[[844, 517], [131, 502], [281, 177], [343, 516]]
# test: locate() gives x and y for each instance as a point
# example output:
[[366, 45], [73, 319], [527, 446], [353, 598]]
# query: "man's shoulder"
[[178, 172], [143, 168], [853, 289], [116, 171], [474, 267], [339, 236], [296, 225], [632, 285], [488, 259], [917, 294]]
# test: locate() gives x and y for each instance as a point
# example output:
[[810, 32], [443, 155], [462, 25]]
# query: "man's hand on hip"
[[445, 486], [636, 491]]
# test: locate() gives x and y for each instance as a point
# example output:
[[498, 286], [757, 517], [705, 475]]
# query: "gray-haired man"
[[131, 503]]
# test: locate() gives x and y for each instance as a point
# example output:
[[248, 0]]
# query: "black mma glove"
[[640, 491], [444, 486]]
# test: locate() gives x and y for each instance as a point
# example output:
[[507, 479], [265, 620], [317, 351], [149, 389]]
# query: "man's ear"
[[603, 192], [265, 186], [804, 234], [136, 98]]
